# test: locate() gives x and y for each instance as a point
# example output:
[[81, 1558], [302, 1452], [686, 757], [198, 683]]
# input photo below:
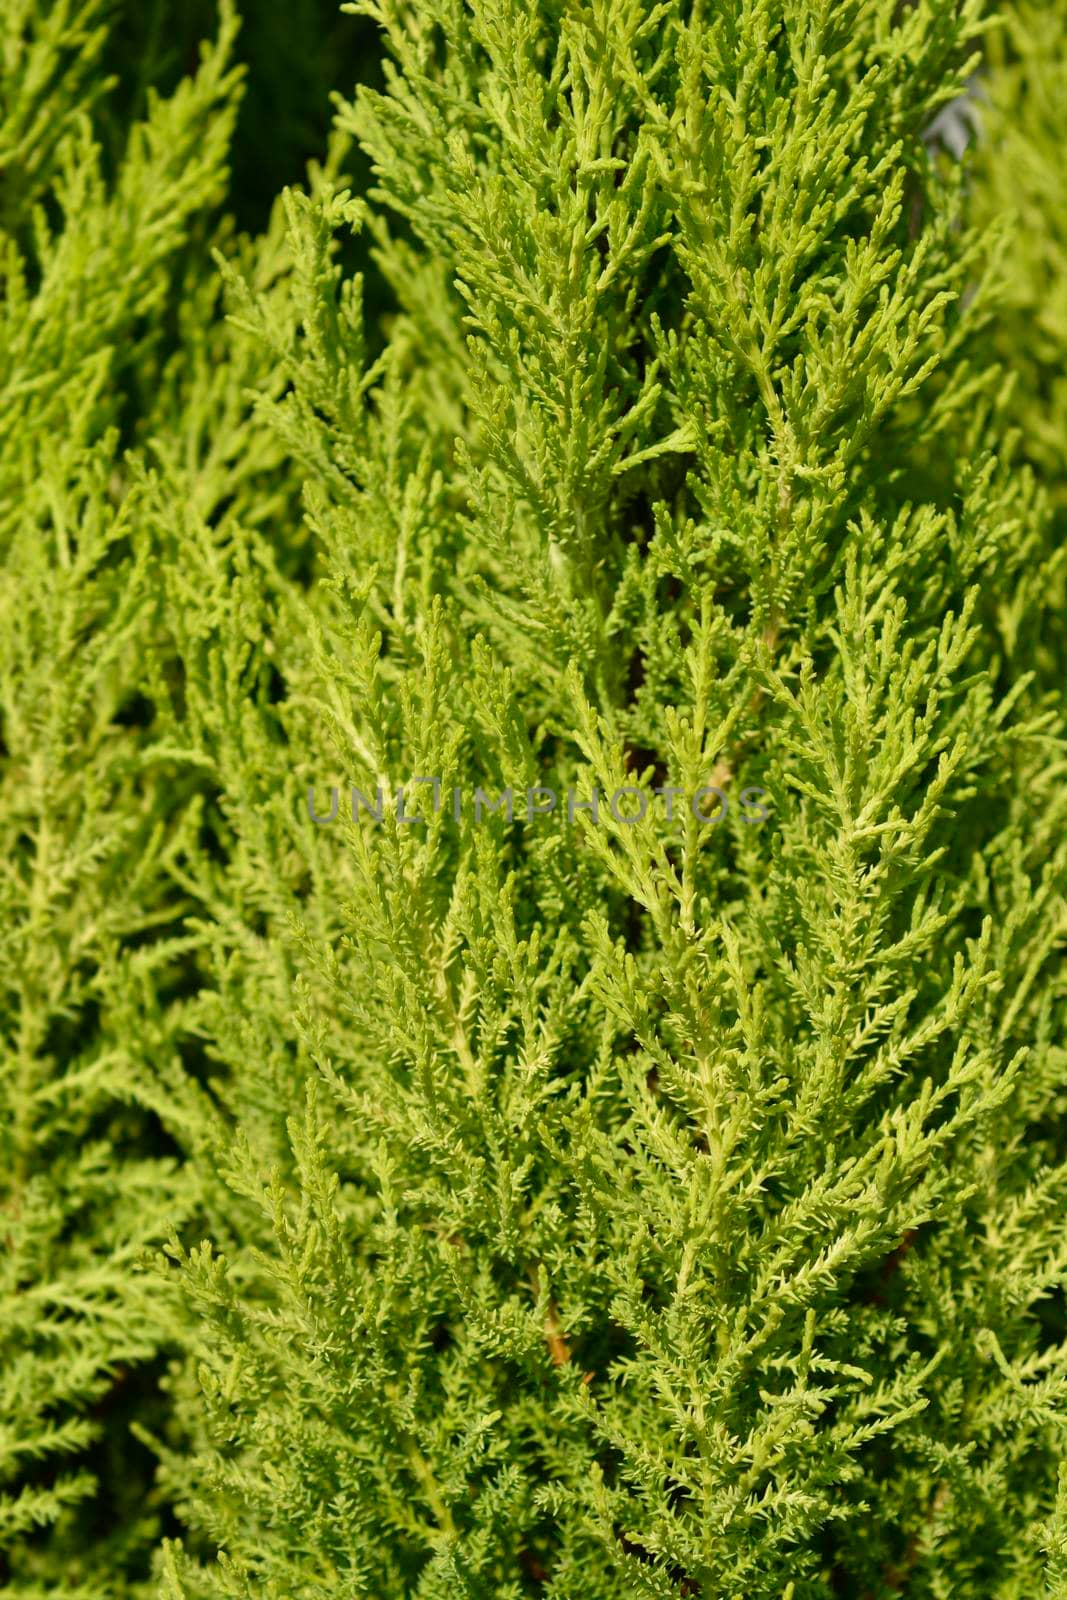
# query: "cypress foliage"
[[108, 328], [89, 264], [1016, 174], [660, 1192]]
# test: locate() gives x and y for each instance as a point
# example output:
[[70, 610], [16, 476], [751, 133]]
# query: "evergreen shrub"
[[532, 704]]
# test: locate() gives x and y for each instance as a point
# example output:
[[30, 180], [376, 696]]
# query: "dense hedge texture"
[[532, 669]]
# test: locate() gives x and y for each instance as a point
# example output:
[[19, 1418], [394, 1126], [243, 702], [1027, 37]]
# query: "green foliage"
[[1017, 175], [544, 1205]]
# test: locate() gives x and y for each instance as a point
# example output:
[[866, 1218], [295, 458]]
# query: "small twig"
[[897, 1577], [724, 769], [533, 1567], [557, 1344], [891, 1263]]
